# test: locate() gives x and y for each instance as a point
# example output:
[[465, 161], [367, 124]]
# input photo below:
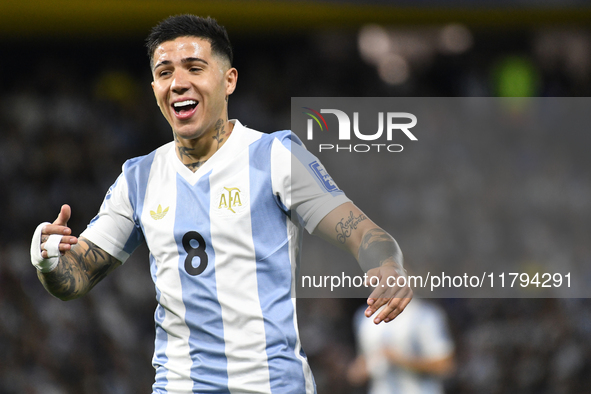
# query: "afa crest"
[[230, 199]]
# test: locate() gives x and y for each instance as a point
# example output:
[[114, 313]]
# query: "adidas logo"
[[159, 214]]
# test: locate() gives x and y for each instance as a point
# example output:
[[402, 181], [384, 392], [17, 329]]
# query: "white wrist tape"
[[51, 246]]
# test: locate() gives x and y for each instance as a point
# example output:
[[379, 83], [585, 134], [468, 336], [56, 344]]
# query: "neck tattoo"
[[186, 153]]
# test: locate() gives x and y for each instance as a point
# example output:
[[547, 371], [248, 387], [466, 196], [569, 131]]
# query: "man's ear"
[[231, 77]]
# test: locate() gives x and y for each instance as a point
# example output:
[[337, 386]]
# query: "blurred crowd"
[[74, 112]]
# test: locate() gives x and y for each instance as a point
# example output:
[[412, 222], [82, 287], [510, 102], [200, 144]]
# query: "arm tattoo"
[[78, 271], [345, 227], [378, 247]]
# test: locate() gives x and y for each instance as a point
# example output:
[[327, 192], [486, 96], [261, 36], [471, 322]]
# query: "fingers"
[[392, 308], [65, 244], [54, 229], [64, 215], [386, 295], [59, 227]]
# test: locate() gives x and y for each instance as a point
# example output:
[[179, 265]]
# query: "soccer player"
[[412, 355], [221, 208]]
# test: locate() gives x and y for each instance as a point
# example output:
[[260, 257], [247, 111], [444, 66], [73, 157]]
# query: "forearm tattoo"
[[345, 227], [78, 271], [378, 247]]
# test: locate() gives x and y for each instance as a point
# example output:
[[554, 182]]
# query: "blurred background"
[[76, 102]]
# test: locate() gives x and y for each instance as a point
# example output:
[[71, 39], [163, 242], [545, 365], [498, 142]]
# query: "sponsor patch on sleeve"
[[323, 176]]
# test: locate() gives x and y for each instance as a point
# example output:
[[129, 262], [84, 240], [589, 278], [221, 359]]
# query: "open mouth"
[[184, 107]]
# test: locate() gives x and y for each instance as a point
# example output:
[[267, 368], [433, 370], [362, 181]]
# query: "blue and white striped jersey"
[[224, 243]]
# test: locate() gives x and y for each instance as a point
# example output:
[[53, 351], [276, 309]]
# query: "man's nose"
[[180, 83]]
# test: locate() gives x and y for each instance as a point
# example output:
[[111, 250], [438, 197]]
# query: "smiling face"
[[191, 86]]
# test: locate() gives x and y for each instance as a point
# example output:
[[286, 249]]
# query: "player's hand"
[[60, 227], [387, 293]]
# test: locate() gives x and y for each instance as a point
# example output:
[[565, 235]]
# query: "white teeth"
[[183, 103]]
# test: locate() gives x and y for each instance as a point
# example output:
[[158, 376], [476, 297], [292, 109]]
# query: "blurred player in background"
[[411, 355], [222, 208]]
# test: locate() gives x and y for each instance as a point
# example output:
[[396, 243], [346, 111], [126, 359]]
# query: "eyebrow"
[[184, 60]]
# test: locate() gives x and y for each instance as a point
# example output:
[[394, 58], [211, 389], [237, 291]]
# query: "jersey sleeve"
[[301, 181], [115, 229]]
